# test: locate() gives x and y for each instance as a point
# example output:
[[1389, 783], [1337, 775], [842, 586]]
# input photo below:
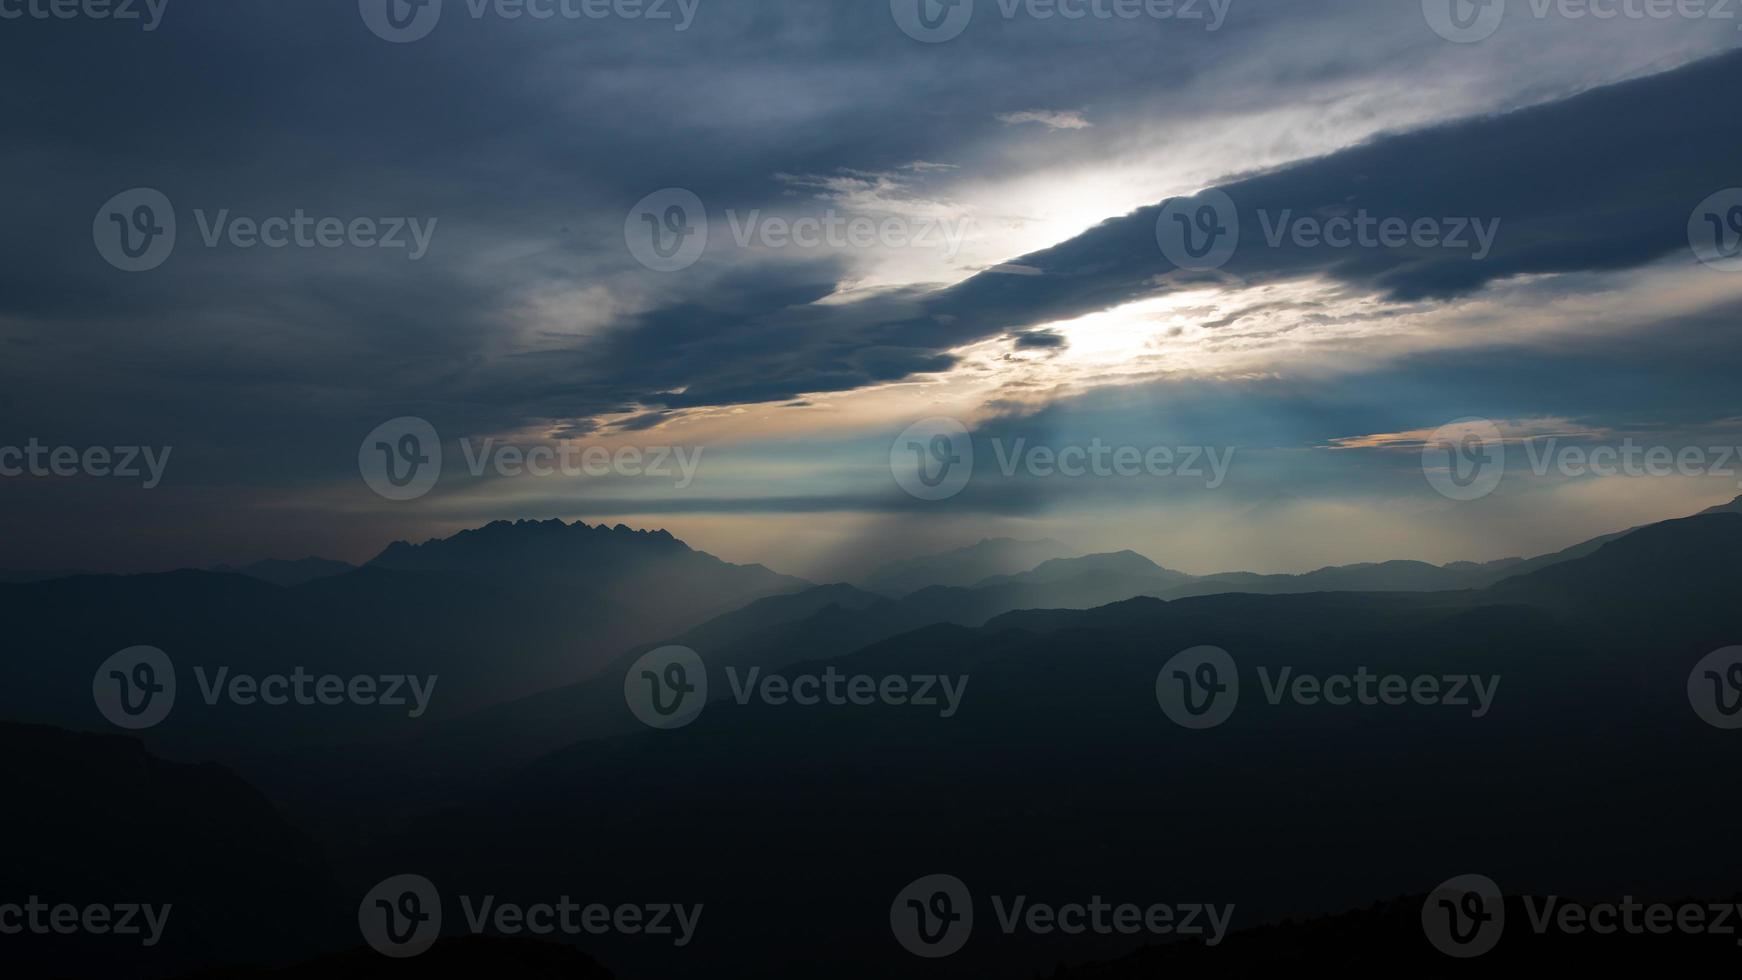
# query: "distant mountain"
[[1129, 564], [1733, 507], [290, 573], [647, 570], [1390, 576], [964, 566]]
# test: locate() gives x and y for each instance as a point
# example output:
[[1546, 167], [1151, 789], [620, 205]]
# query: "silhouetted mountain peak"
[[1685, 562], [964, 566], [528, 539], [649, 572], [1733, 507], [1128, 563]]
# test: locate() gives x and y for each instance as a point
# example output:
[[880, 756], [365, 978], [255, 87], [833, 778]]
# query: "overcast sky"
[[985, 212]]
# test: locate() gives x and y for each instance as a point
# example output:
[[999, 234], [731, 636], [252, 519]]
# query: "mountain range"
[[1056, 776]]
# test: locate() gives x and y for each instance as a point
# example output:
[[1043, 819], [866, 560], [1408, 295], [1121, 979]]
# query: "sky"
[[491, 223]]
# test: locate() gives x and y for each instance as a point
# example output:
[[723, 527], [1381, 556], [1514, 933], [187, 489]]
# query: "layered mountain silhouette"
[[827, 621], [496, 613], [963, 566], [1060, 778], [1057, 776], [635, 569]]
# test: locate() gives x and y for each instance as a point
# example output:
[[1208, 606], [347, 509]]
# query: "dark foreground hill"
[[467, 958], [95, 819], [1386, 939]]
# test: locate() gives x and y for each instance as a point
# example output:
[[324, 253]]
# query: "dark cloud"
[[530, 141], [1040, 340], [1568, 194]]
